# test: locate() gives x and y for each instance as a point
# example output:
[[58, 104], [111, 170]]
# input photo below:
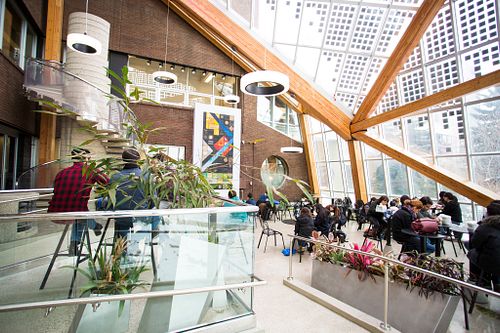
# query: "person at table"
[[250, 200], [484, 247], [402, 219], [484, 252], [322, 220], [452, 209], [72, 187], [426, 211], [304, 225], [376, 214], [235, 217]]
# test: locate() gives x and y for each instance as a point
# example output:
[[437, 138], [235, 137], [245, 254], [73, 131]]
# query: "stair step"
[[114, 150], [116, 144]]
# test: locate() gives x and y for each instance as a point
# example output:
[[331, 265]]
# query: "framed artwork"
[[216, 145]]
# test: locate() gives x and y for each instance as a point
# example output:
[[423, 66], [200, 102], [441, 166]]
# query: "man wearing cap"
[[129, 191], [72, 188]]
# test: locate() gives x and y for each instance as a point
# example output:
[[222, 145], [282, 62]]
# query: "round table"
[[423, 240], [291, 222]]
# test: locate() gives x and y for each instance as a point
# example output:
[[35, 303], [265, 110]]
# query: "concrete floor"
[[277, 307], [280, 309]]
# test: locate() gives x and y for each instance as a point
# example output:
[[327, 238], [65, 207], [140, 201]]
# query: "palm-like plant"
[[108, 276]]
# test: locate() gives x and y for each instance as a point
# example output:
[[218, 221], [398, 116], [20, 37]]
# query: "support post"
[[358, 173], [55, 11], [308, 152]]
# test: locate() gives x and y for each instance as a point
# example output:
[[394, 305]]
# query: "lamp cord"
[[86, 15], [166, 37]]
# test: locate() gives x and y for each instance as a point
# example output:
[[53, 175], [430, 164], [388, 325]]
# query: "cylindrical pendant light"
[[165, 77], [232, 99], [264, 83], [291, 150], [83, 43]]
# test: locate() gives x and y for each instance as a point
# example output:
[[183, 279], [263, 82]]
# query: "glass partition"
[[174, 250]]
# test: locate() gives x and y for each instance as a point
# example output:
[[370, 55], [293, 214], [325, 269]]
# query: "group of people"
[[72, 187], [401, 212]]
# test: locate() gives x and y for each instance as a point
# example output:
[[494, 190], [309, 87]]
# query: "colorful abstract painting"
[[218, 145]]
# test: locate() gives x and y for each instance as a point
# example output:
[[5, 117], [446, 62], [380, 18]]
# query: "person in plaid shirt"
[[72, 188]]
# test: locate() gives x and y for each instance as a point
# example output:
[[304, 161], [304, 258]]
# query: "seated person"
[[322, 220], [250, 200], [402, 219], [377, 217], [484, 246], [236, 217], [304, 225]]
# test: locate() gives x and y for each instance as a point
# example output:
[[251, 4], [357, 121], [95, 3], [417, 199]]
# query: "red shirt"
[[72, 189]]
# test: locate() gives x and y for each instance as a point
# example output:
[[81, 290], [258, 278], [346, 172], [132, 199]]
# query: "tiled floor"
[[280, 309]]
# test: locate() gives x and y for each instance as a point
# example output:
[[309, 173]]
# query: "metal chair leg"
[[56, 254], [260, 239], [265, 246]]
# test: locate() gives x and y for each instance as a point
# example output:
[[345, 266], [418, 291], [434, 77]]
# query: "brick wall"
[[139, 28], [177, 123], [38, 12], [15, 109]]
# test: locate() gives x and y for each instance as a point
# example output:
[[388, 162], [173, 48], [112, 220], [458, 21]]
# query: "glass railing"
[[180, 269], [48, 81]]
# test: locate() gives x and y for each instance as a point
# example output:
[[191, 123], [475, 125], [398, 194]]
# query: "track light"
[[193, 71], [148, 62], [160, 65], [223, 77], [172, 67], [204, 73], [183, 69]]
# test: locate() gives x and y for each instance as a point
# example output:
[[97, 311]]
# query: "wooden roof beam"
[[421, 21], [224, 33], [466, 188], [420, 105]]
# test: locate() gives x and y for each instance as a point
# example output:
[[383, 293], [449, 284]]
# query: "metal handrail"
[[32, 198], [125, 213], [24, 190], [395, 261], [122, 297], [385, 325]]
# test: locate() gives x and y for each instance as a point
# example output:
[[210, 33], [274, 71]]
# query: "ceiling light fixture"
[[265, 82], [291, 150], [183, 69], [209, 77], [83, 43], [165, 77], [172, 67], [148, 62], [204, 73], [193, 71]]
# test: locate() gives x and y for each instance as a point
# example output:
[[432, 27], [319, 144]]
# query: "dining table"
[[423, 240]]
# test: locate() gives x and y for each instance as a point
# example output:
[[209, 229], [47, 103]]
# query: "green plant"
[[428, 284], [108, 275]]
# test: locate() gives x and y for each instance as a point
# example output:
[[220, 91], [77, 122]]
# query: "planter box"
[[408, 312]]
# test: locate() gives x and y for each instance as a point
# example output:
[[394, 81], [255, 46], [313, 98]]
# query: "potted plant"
[[436, 300], [109, 275]]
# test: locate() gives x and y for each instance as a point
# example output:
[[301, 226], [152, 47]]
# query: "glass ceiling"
[[340, 45]]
